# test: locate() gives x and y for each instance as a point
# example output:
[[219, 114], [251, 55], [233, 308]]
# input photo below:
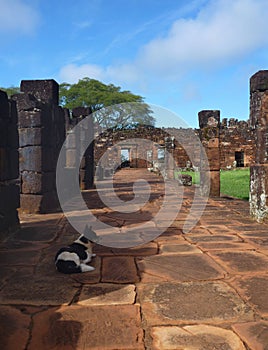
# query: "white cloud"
[[71, 73], [17, 17], [222, 31]]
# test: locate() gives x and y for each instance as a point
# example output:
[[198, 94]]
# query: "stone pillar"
[[86, 134], [209, 124], [9, 167], [259, 124], [41, 125]]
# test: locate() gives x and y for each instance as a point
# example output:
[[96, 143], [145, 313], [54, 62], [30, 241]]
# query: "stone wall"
[[9, 167], [236, 139]]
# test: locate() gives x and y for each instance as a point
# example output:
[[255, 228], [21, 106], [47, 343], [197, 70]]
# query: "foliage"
[[112, 106], [12, 90]]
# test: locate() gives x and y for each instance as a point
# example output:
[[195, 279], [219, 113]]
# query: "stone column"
[[209, 124], [259, 124], [9, 167], [86, 134], [41, 134]]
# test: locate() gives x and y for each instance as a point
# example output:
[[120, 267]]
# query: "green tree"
[[112, 107], [12, 90]]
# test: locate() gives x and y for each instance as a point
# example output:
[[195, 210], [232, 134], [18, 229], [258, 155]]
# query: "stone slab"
[[174, 248], [199, 302], [201, 337], [107, 294], [119, 270], [222, 246], [19, 257], [14, 328], [242, 261], [30, 289], [37, 232], [183, 267], [255, 290], [150, 248], [212, 238], [83, 327], [254, 334]]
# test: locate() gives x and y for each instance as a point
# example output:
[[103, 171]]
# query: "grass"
[[234, 183]]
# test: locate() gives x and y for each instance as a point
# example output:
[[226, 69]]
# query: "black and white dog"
[[74, 258]]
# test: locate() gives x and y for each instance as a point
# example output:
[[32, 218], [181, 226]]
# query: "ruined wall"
[[235, 137], [9, 167]]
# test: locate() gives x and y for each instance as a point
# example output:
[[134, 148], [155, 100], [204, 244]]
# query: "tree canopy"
[[112, 107], [12, 90]]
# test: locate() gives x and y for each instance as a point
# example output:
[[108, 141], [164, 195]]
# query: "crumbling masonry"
[[33, 129]]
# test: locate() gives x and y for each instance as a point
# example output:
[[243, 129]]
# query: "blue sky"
[[184, 55]]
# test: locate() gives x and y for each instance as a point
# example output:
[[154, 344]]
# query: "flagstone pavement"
[[200, 290]]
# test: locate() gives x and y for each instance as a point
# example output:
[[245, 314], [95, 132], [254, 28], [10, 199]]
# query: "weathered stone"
[[81, 112], [242, 261], [259, 191], [32, 119], [14, 328], [26, 102], [81, 327], [44, 90], [39, 203], [254, 334], [37, 183], [107, 294], [185, 267], [185, 180], [254, 289], [209, 118], [201, 337], [259, 81], [199, 302], [30, 136], [119, 270], [174, 248], [28, 289], [17, 258]]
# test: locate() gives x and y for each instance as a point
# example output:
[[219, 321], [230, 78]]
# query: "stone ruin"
[[33, 128]]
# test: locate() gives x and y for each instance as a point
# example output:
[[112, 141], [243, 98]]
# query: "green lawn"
[[234, 183]]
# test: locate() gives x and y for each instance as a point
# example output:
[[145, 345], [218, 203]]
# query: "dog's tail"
[[67, 266]]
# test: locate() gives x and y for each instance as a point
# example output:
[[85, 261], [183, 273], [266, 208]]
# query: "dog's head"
[[84, 241], [91, 235]]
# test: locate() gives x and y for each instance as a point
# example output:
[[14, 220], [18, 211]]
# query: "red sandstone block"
[[259, 81], [32, 182], [37, 158], [31, 119], [30, 137], [44, 90], [37, 203]]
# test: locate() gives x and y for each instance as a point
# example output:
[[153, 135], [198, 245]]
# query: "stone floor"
[[202, 290]]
